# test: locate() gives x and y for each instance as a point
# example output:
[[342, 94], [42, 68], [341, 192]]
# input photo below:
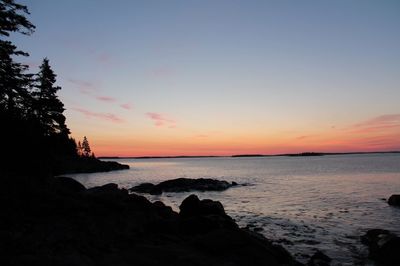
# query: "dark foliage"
[[32, 121]]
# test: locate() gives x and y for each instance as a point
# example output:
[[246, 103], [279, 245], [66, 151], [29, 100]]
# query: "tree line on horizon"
[[31, 114]]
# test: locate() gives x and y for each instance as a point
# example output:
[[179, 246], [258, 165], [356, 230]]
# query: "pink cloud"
[[126, 106], [377, 124], [106, 99], [104, 58], [84, 87], [161, 120], [303, 137], [162, 71], [104, 116]]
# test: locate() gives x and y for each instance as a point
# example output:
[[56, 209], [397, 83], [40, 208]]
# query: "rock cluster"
[[182, 185], [384, 246], [59, 222]]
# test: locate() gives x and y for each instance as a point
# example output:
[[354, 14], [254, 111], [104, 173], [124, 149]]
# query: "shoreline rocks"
[[85, 165], [183, 185], [59, 222], [383, 246]]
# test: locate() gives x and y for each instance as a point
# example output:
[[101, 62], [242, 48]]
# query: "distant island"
[[302, 154]]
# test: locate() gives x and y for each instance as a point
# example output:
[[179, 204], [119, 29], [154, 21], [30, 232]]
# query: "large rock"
[[394, 200], [182, 185], [319, 259], [383, 245], [200, 216], [68, 185], [192, 206]]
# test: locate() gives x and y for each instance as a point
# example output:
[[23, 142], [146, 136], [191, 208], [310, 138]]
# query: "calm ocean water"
[[303, 203]]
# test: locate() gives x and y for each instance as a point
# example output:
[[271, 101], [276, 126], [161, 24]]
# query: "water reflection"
[[303, 203]]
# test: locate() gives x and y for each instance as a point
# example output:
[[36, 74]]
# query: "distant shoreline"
[[303, 154]]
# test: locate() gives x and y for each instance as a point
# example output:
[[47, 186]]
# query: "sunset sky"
[[143, 78]]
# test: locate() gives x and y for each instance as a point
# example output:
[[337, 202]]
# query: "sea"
[[304, 203]]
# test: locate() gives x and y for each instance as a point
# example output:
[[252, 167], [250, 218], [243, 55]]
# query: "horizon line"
[[305, 154]]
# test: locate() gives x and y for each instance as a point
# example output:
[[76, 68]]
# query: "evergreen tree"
[[86, 147], [79, 149], [14, 83], [49, 109]]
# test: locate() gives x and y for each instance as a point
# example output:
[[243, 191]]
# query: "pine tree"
[[49, 109], [86, 147], [14, 83], [79, 149]]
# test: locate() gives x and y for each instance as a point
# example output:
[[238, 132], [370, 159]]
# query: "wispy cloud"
[[106, 59], [303, 137], [127, 106], [106, 99], [103, 116], [84, 86], [162, 72], [161, 120], [377, 124]]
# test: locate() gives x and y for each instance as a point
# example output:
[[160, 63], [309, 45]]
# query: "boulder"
[[68, 185], [104, 189], [192, 206], [148, 188], [383, 246], [199, 216], [108, 193], [319, 259], [394, 200]]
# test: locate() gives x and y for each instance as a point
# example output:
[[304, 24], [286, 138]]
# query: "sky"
[[155, 78]]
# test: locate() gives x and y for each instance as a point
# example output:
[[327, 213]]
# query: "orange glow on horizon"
[[220, 147]]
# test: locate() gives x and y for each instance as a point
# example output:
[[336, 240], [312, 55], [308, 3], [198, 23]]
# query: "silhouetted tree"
[[79, 149], [48, 108], [14, 83], [31, 114], [86, 147]]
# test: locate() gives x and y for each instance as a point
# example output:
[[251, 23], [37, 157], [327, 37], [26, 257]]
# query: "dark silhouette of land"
[[48, 220], [248, 155]]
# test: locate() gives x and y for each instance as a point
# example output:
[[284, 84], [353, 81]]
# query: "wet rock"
[[394, 200], [148, 188], [108, 226], [109, 195], [68, 185], [199, 216], [183, 185], [110, 188], [383, 246], [192, 206], [319, 259]]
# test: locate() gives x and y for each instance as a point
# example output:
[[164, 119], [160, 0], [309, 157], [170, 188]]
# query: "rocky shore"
[[182, 185], [57, 221]]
